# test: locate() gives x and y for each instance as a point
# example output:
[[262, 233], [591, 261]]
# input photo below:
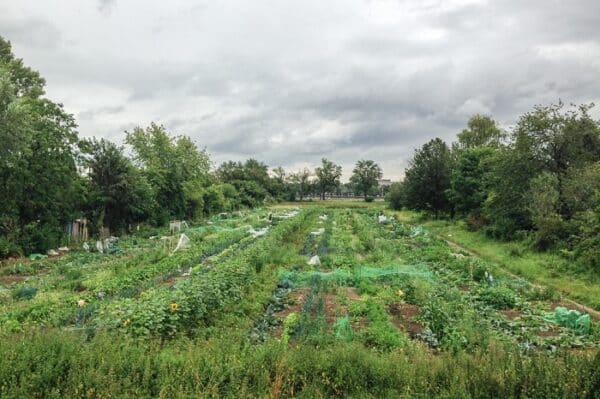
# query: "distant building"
[[383, 185]]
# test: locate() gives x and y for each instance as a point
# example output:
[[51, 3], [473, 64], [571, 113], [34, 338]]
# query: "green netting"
[[572, 319], [419, 270], [339, 276], [343, 329], [346, 277]]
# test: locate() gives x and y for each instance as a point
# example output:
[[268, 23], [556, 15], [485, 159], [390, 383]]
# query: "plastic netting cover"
[[417, 231], [342, 276], [184, 242], [572, 319], [338, 275], [409, 270], [343, 329]]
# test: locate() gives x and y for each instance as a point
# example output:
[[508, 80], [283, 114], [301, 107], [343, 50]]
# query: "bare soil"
[[295, 301], [12, 279], [552, 332], [330, 308], [512, 314], [352, 294], [402, 316]]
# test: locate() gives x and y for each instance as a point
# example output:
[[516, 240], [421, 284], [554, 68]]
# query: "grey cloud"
[[33, 32], [105, 6], [288, 83], [106, 110]]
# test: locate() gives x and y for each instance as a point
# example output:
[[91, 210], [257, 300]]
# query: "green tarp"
[[572, 319]]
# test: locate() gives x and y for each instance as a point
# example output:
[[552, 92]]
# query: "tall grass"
[[61, 365]]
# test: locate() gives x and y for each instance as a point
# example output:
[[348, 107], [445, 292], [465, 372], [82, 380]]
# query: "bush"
[[515, 250], [396, 196], [214, 201], [37, 237], [587, 246], [474, 222], [8, 248], [499, 297]]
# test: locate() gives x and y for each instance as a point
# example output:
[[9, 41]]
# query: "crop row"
[[199, 299]]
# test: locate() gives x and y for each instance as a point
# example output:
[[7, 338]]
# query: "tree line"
[[49, 176], [539, 182]]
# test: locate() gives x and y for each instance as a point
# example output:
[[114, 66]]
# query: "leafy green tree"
[[278, 186], [428, 177], [481, 131], [587, 244], [468, 190], [118, 193], [543, 203], [396, 196], [365, 177], [506, 205], [580, 187], [546, 139], [300, 183], [175, 169], [328, 177], [41, 189], [250, 179]]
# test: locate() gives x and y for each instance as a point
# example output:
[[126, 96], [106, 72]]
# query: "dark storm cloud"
[[289, 83]]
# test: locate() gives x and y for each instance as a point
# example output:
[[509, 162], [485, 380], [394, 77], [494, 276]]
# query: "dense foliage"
[[389, 311], [541, 183], [365, 177], [50, 177]]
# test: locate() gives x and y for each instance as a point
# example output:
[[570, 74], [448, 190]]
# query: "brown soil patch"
[[402, 315], [512, 314], [352, 294], [170, 282], [360, 324], [12, 279], [330, 307], [295, 301], [551, 332]]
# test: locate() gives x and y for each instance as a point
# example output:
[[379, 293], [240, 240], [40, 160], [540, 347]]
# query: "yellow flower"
[[81, 302], [126, 322], [400, 293], [174, 306]]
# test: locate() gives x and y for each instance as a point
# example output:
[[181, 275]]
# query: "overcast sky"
[[289, 82]]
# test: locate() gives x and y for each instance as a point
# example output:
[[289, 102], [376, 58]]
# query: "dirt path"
[[576, 305]]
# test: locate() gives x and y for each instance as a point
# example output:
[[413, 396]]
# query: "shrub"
[[499, 297], [515, 250], [8, 248], [396, 196], [38, 237]]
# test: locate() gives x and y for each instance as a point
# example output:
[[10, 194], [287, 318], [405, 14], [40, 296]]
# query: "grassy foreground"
[[543, 268], [59, 365], [388, 311]]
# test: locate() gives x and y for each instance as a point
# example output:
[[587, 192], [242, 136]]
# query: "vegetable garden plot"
[[381, 301], [97, 283], [198, 300], [466, 283], [416, 285]]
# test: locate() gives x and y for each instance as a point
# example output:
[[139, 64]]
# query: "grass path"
[[547, 268]]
